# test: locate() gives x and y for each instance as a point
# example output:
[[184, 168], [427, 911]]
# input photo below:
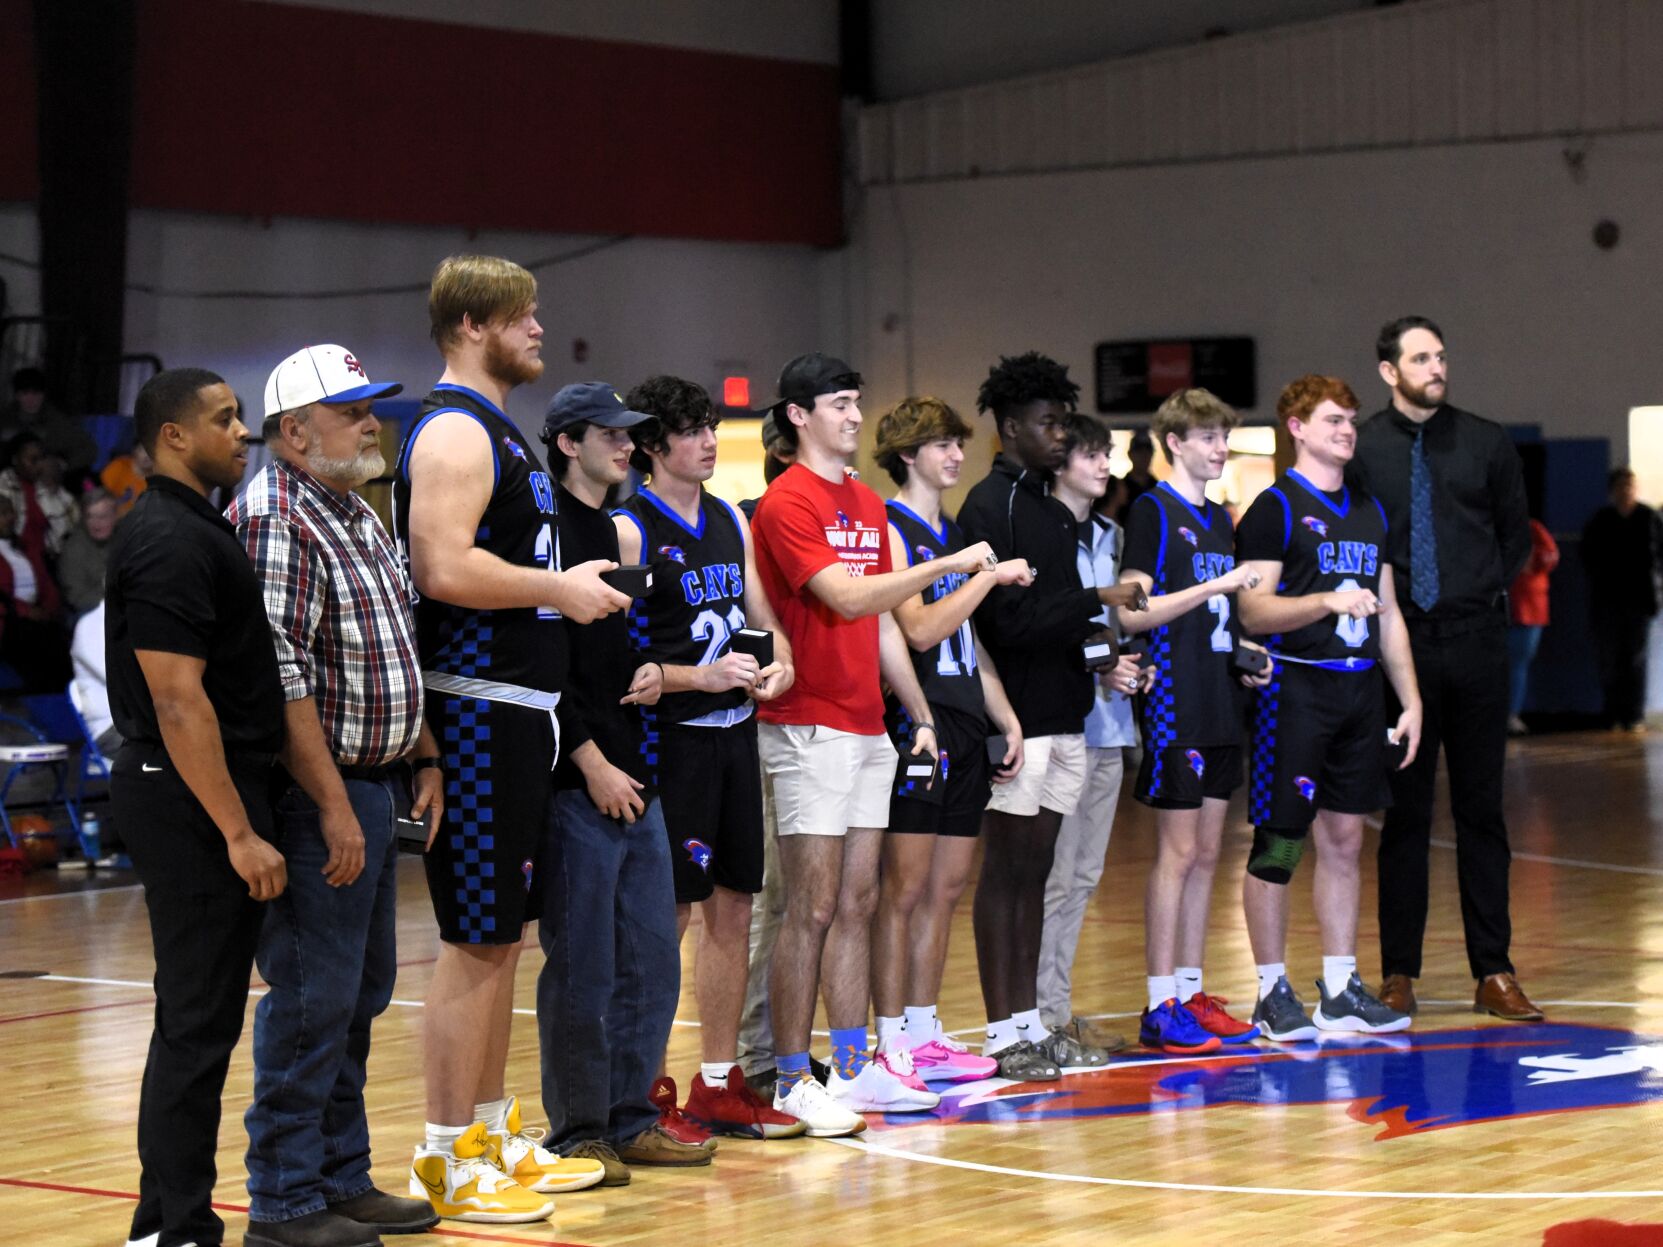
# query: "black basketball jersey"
[[947, 673], [698, 597], [1196, 699], [1325, 542], [522, 646]]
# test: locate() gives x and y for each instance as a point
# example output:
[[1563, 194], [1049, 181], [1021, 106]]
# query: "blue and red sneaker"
[[1208, 1012], [1169, 1027]]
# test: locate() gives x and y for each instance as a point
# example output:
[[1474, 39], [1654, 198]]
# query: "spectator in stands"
[[1622, 552], [1140, 480], [29, 412], [45, 512], [81, 562], [92, 686], [125, 476], [1528, 605], [32, 638]]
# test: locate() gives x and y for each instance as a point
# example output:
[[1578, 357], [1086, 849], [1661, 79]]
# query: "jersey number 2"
[[1219, 604], [717, 631], [1352, 631]]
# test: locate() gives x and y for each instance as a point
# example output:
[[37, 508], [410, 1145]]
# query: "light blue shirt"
[[1111, 721]]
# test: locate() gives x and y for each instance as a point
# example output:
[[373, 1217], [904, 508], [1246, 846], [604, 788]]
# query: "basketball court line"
[[64, 896], [1214, 1188], [1578, 862]]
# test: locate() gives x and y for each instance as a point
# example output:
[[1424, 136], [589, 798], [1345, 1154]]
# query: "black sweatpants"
[[1462, 672], [1620, 640], [204, 927]]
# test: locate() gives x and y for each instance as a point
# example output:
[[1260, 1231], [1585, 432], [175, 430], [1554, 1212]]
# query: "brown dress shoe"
[[657, 1146], [1501, 996], [1397, 991]]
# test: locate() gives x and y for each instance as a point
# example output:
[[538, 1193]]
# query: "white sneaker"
[[149, 1240], [810, 1104], [876, 1090]]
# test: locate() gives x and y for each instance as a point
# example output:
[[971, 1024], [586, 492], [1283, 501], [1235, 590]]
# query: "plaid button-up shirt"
[[339, 604]]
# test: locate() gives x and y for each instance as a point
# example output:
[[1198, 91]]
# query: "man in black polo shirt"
[[195, 693], [1453, 490]]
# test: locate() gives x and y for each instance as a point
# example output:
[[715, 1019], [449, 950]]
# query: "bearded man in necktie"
[[1453, 490]]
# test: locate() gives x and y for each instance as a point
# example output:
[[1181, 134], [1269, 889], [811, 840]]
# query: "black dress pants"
[[1461, 667], [204, 927], [1621, 636]]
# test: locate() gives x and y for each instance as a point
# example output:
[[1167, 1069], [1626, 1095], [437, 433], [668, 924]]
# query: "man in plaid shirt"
[[358, 751]]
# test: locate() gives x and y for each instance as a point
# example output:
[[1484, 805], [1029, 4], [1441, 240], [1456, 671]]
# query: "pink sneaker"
[[947, 1060], [897, 1060]]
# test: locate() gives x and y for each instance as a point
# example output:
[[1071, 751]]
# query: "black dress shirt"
[[180, 582], [1479, 514]]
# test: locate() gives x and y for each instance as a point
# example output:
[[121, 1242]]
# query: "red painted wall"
[[257, 109], [19, 159]]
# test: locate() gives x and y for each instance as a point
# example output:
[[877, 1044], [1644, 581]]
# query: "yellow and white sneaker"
[[464, 1184], [521, 1156]]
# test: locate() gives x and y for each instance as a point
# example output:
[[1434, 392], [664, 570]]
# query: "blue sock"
[[793, 1069], [848, 1050]]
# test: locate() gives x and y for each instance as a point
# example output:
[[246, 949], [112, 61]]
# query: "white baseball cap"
[[321, 374]]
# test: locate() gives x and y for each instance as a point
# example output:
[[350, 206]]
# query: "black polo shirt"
[[180, 582]]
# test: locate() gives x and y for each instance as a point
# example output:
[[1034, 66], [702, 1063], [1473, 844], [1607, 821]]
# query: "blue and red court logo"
[[1403, 1084]]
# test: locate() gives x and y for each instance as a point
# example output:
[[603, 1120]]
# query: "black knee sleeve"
[[1275, 854]]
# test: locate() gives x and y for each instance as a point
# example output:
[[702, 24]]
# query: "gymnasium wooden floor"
[[1465, 1131]]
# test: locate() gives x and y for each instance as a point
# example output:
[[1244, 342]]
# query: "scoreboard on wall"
[[1134, 377]]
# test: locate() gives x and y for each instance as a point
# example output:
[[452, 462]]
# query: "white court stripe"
[[1579, 863], [1217, 1189], [69, 896]]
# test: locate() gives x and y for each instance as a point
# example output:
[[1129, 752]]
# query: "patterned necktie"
[[1423, 541]]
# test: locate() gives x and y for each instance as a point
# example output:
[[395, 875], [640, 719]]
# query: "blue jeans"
[[612, 971], [329, 955], [1522, 640]]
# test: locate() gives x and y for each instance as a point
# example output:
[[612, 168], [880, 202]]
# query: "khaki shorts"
[[825, 781], [1052, 776]]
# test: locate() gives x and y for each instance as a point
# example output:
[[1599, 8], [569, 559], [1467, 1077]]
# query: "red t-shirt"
[[803, 525]]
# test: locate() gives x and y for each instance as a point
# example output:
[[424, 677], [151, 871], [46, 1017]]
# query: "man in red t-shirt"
[[823, 559]]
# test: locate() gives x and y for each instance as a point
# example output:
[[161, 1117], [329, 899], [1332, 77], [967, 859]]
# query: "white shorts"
[[825, 781], [1052, 776]]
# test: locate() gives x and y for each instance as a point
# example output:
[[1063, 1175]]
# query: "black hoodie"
[[1034, 634]]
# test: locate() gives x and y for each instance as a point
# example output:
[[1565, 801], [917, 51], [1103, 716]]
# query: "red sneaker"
[[737, 1110], [1209, 1013], [677, 1124]]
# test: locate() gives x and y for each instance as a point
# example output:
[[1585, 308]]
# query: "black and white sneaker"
[[1280, 1016], [1356, 1011]]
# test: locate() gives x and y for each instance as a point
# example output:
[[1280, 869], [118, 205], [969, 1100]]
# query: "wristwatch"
[[422, 764]]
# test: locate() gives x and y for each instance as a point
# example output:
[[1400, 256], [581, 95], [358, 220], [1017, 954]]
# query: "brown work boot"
[[1087, 1033], [655, 1146], [1501, 996], [1397, 991]]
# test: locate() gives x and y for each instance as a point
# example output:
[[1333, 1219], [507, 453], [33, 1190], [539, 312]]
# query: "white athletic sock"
[[1336, 971], [888, 1029], [1268, 976], [1189, 981], [443, 1138], [494, 1113], [921, 1025], [1162, 988], [715, 1074], [1030, 1026], [1000, 1035]]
